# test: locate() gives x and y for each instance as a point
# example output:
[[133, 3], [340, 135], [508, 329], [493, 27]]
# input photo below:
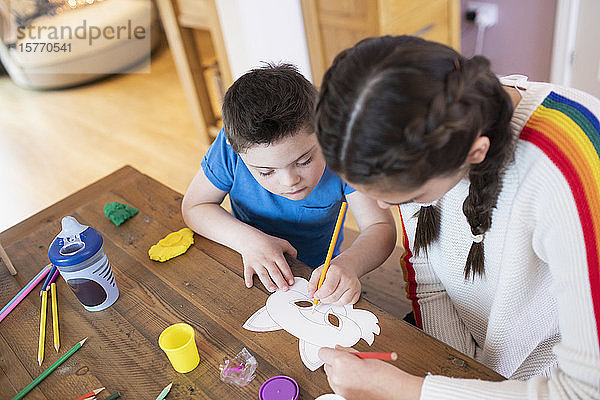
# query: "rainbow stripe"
[[569, 134], [408, 271]]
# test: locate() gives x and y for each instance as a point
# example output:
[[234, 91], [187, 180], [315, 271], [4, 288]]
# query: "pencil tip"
[[169, 385], [83, 341], [394, 356], [40, 361], [99, 390], [56, 346]]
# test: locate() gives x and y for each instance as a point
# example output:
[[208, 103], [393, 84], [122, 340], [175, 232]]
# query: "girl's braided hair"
[[402, 110]]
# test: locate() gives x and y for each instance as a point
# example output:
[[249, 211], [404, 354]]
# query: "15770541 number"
[[44, 47]]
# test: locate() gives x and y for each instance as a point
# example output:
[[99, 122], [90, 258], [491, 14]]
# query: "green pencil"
[[47, 372], [164, 392], [113, 396]]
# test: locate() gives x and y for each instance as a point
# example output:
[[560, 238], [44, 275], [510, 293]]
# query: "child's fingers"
[[327, 355], [346, 349], [276, 276], [288, 248], [332, 356], [329, 286], [335, 296], [314, 281], [347, 297], [248, 274], [285, 269], [264, 277]]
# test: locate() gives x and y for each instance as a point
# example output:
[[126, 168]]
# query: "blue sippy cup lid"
[[74, 244]]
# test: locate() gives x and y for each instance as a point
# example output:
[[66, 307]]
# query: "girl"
[[498, 186]]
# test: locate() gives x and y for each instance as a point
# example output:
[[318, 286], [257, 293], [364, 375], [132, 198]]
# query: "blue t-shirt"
[[307, 224]]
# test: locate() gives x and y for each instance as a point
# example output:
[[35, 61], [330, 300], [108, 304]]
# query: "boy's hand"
[[341, 285], [263, 255]]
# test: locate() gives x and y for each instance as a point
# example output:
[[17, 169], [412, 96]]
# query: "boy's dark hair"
[[401, 110], [268, 104]]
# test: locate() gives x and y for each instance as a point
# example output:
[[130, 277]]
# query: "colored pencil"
[[42, 327], [55, 332], [92, 393], [54, 276], [164, 392], [47, 281], [377, 356], [113, 396], [24, 292], [47, 372], [336, 231]]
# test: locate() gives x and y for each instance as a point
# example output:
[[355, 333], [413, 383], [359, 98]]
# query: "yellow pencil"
[[55, 316], [42, 327], [336, 231]]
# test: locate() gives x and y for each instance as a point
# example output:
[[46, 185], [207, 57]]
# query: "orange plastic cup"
[[177, 341]]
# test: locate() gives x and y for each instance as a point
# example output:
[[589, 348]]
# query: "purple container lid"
[[279, 387]]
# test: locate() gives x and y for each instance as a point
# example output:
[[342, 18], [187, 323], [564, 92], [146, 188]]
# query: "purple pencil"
[[53, 279], [46, 285], [24, 292]]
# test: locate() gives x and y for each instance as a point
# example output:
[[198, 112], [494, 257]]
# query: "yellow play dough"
[[173, 245]]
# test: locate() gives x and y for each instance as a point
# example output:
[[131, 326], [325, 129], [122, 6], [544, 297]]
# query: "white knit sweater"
[[531, 317]]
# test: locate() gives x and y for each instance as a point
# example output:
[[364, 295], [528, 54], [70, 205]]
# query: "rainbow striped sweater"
[[535, 315]]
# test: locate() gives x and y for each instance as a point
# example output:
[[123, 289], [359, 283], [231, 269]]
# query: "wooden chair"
[[6, 260], [194, 33]]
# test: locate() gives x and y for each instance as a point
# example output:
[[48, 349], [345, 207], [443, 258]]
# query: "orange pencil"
[[336, 231], [377, 356]]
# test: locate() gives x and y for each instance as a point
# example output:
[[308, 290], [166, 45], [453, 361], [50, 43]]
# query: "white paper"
[[313, 329]]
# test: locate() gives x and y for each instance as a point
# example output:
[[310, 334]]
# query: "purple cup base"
[[279, 387]]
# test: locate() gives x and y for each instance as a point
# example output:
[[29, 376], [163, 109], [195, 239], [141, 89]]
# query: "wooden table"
[[204, 287]]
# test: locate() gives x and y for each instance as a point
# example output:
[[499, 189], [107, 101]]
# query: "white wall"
[[521, 42], [586, 60], [263, 30]]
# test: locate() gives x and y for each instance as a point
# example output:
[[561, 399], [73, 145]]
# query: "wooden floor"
[[53, 143]]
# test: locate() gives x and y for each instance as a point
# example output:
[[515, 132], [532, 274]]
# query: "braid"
[[445, 118], [486, 177], [478, 207], [446, 114], [401, 110], [428, 228]]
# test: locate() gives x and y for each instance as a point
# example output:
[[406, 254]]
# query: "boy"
[[283, 197]]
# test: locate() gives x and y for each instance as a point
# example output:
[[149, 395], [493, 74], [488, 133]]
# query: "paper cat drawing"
[[291, 312]]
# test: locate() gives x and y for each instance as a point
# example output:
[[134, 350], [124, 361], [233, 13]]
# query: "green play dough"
[[119, 213]]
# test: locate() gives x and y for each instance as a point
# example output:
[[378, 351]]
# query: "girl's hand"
[[357, 379], [262, 255], [341, 285]]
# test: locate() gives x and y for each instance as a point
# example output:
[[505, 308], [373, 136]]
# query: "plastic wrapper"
[[239, 370]]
